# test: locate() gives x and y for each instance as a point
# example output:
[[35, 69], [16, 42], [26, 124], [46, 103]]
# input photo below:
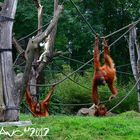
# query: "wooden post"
[[7, 74], [135, 64]]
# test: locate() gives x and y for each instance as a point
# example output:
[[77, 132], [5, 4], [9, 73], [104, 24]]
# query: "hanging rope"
[[56, 83], [27, 36], [74, 60], [93, 31], [126, 73], [123, 34], [17, 58], [123, 65], [125, 96], [127, 26]]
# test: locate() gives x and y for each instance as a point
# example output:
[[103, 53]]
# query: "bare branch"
[[50, 27], [40, 13], [33, 79], [37, 3], [55, 5], [49, 50]]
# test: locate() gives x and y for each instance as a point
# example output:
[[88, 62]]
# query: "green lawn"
[[125, 126]]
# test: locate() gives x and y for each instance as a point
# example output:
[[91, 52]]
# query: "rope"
[[79, 83], [73, 60], [73, 80], [56, 83], [125, 96], [17, 58], [89, 64], [63, 104], [127, 26], [93, 31], [29, 110], [125, 73], [27, 36], [123, 34], [123, 65]]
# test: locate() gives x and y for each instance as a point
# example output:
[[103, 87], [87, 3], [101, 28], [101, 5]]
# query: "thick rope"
[[125, 96], [84, 63], [27, 36], [127, 26], [17, 58], [126, 73], [123, 34], [74, 60], [93, 31], [123, 65]]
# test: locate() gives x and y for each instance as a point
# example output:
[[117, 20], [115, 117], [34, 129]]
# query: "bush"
[[69, 92]]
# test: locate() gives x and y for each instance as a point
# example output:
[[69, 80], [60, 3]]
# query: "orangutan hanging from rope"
[[105, 74]]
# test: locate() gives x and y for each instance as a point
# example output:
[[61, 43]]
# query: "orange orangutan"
[[103, 74], [39, 109]]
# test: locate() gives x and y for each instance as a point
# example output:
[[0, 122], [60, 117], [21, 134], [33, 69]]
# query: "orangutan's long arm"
[[28, 98], [96, 54], [48, 97], [108, 60]]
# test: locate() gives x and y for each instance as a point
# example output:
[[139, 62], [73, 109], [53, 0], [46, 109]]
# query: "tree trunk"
[[29, 53], [135, 66], [11, 112], [33, 89], [51, 42]]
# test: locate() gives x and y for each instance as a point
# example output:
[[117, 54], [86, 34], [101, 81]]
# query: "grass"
[[125, 126]]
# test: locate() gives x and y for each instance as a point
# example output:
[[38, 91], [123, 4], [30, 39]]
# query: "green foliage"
[[105, 17], [130, 103], [69, 92]]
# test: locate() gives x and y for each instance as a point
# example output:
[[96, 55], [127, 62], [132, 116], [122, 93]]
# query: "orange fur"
[[103, 74], [39, 109], [100, 110]]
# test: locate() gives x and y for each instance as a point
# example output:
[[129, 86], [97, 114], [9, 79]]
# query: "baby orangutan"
[[94, 110]]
